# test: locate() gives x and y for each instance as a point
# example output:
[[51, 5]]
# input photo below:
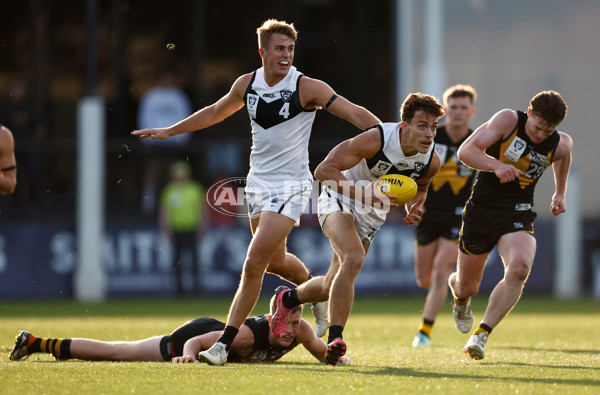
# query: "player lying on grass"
[[254, 343]]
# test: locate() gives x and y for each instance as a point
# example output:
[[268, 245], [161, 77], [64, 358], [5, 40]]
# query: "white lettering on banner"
[[388, 263], [2, 255], [164, 255], [125, 252], [225, 245], [144, 243], [312, 248], [63, 255], [109, 254]]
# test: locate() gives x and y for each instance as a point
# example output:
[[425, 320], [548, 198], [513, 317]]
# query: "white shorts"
[[367, 219], [288, 198]]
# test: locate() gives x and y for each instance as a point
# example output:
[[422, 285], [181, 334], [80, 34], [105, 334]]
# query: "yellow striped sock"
[[425, 328], [479, 330], [43, 344], [462, 301]]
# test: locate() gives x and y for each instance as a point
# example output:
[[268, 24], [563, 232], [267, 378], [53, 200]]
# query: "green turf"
[[543, 346]]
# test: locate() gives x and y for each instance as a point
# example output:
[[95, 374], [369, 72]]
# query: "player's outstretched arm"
[[308, 338], [193, 346], [208, 116], [472, 151], [561, 167], [316, 94]]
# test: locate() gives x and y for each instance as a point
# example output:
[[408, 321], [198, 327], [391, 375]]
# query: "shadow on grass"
[[560, 350], [410, 372]]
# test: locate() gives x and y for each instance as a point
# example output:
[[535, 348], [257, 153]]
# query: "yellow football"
[[403, 187]]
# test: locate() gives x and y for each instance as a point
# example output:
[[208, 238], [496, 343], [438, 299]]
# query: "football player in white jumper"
[[349, 211], [282, 104]]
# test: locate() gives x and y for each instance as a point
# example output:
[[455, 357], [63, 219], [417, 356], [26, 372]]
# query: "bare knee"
[[518, 271], [253, 268], [423, 281], [352, 263], [462, 288]]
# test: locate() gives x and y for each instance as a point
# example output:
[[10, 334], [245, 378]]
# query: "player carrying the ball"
[[350, 212], [511, 152]]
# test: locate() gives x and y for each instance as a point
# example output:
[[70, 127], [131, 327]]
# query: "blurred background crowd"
[[159, 61]]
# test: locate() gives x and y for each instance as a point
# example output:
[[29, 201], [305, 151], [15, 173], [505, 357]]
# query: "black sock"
[[335, 332], [290, 299], [228, 335], [35, 346], [485, 328], [60, 348]]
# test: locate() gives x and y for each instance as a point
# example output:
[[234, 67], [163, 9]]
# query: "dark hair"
[[550, 106], [460, 90], [270, 26], [420, 102]]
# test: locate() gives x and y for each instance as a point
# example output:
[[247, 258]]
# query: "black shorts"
[[481, 228], [430, 230], [172, 345]]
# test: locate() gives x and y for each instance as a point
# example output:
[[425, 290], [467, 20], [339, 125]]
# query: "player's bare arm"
[[345, 156], [414, 208], [193, 346], [316, 94], [315, 345], [8, 163], [561, 166], [232, 102], [472, 151]]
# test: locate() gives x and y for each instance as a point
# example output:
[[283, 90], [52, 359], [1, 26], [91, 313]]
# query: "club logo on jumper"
[[252, 104], [286, 95], [538, 158], [523, 206], [419, 166], [515, 149]]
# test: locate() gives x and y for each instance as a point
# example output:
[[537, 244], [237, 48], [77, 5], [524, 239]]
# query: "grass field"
[[543, 346]]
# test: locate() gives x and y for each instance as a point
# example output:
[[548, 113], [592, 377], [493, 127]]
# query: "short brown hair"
[[270, 26], [460, 90], [420, 102], [550, 106]]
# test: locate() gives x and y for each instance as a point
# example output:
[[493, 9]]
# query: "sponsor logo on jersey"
[[269, 95], [252, 104], [515, 149], [286, 94], [523, 206], [518, 225], [538, 158]]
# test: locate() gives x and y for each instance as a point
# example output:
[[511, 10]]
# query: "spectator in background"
[[163, 105], [8, 163], [181, 219], [437, 235], [21, 119]]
